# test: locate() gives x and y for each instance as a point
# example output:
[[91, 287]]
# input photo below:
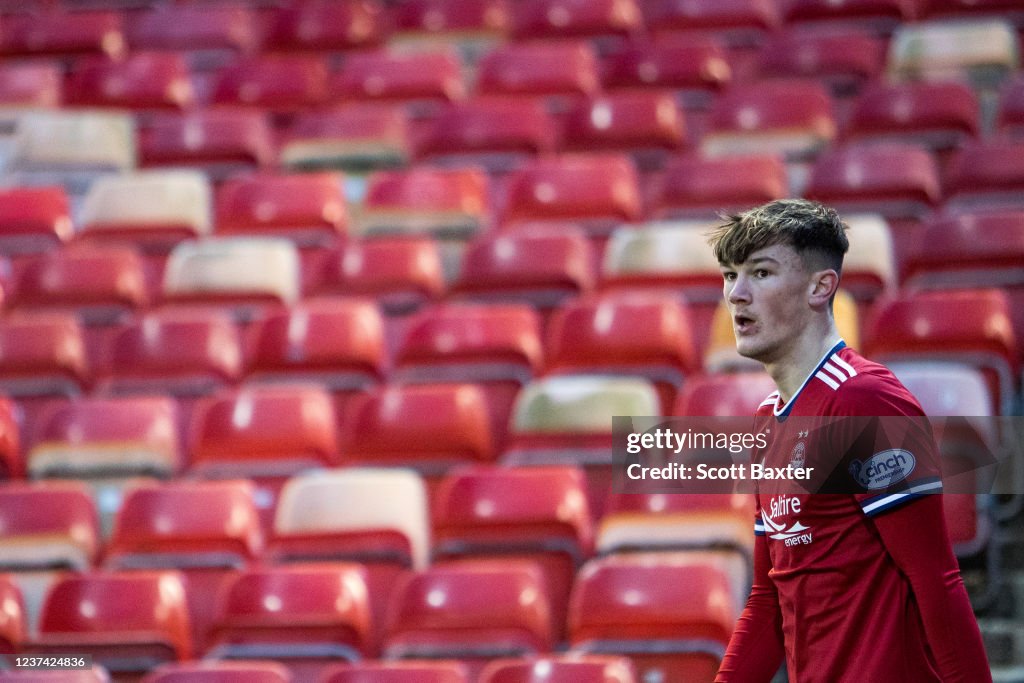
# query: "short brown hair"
[[811, 228]]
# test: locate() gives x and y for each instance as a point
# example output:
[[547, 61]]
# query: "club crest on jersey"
[[883, 469], [799, 455]]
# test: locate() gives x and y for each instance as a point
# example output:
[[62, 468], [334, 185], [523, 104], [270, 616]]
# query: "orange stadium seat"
[[560, 669], [939, 116], [496, 133], [34, 219], [189, 28], [699, 187], [623, 334], [308, 208], [426, 426], [557, 68], [310, 26], [218, 140], [422, 80], [739, 22], [397, 672], [129, 622], [647, 124], [694, 67], [306, 617], [540, 267], [843, 60], [205, 530], [672, 614], [971, 326], [12, 617], [275, 83], [556, 19], [986, 174], [355, 137], [220, 672], [472, 611], [63, 33], [532, 513], [142, 81], [881, 16], [30, 84]]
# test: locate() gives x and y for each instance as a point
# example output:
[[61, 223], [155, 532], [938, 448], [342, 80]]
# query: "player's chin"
[[748, 348]]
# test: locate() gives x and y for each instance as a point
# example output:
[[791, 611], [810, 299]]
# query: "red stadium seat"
[[597, 191], [12, 617], [277, 83], [444, 203], [698, 187], [186, 28], [326, 26], [881, 16], [101, 284], [63, 33], [971, 326], [397, 672], [843, 60], [30, 84], [128, 622], [420, 79], [220, 672], [473, 611], [986, 174], [727, 394], [62, 530], [306, 617], [34, 219], [355, 137], [96, 674], [218, 140], [498, 134], [694, 67], [740, 22], [447, 19], [790, 117], [646, 124], [42, 354], [144, 80], [11, 464], [206, 530], [560, 669], [550, 69], [1010, 121], [623, 334], [938, 115], [426, 426], [539, 267], [672, 614], [308, 208], [554, 19]]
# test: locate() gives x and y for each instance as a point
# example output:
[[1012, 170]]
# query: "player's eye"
[[729, 276], [761, 273]]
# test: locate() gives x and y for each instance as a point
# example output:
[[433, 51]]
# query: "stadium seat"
[[472, 27], [939, 116], [1010, 119], [29, 84], [309, 209], [325, 26], [982, 53], [281, 84], [533, 513], [724, 394], [793, 118], [153, 210], [548, 69], [540, 267], [12, 618], [697, 187], [219, 141], [397, 672], [695, 68], [672, 614], [472, 611], [34, 219], [356, 138], [426, 426], [63, 33], [880, 16], [246, 276], [560, 669], [739, 22], [43, 354], [444, 203], [843, 60], [624, 334], [967, 9], [11, 464], [647, 124], [498, 134], [558, 19], [988, 174], [129, 622], [102, 285], [421, 80], [142, 81], [971, 326], [220, 672], [209, 34], [62, 531], [95, 674], [598, 192], [869, 268], [306, 617]]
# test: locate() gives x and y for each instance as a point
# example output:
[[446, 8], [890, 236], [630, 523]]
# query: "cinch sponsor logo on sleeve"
[[883, 469]]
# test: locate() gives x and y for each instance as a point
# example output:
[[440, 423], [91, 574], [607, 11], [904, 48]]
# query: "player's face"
[[767, 299]]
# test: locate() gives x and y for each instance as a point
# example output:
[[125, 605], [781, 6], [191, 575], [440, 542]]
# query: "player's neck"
[[799, 360]]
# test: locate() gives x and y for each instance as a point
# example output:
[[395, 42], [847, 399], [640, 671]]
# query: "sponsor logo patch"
[[883, 469]]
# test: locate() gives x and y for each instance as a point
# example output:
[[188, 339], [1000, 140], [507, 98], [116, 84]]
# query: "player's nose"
[[739, 292]]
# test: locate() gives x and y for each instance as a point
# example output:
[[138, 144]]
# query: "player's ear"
[[824, 284]]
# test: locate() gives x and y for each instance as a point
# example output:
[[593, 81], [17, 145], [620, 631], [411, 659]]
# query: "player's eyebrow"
[[762, 259]]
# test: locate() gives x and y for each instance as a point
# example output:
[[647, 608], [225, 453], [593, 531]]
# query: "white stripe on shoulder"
[[770, 400], [834, 371], [843, 364], [827, 380]]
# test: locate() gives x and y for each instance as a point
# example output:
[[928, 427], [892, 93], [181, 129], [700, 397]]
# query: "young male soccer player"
[[858, 584]]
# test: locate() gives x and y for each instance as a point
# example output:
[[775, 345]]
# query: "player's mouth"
[[743, 324]]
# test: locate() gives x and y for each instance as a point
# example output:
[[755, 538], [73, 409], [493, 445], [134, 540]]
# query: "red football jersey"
[[848, 613]]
